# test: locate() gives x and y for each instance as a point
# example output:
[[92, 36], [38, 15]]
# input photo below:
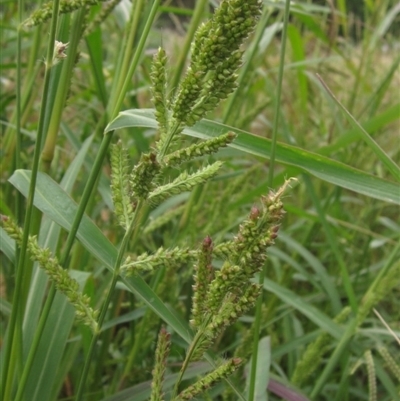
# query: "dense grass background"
[[339, 243]]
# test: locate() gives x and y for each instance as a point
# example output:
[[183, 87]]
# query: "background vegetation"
[[329, 320]]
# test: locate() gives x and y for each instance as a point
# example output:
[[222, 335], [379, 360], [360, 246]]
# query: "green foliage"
[[156, 298]]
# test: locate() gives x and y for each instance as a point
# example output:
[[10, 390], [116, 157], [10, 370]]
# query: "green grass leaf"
[[296, 302], [379, 152], [51, 346], [7, 245], [322, 167], [263, 367]]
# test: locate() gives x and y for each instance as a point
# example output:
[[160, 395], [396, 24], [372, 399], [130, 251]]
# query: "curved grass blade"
[[322, 167], [62, 314], [379, 152], [314, 314]]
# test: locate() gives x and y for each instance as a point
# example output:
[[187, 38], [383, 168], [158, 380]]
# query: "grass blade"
[[380, 153], [326, 169], [315, 315]]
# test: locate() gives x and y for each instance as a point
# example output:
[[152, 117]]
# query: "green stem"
[[167, 142], [257, 325], [18, 111], [99, 159], [185, 364], [30, 75], [104, 144], [63, 87], [35, 343], [257, 322], [7, 376], [136, 58], [18, 165], [104, 308], [129, 44]]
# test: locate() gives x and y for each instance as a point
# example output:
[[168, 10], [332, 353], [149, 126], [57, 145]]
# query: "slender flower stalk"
[[106, 303], [257, 322]]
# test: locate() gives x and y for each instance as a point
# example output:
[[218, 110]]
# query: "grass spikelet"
[[184, 182], [121, 190], [199, 149], [102, 16], [162, 352], [204, 273], [216, 57], [390, 362], [371, 376], [162, 257], [312, 356], [45, 12], [143, 174], [59, 276], [222, 372]]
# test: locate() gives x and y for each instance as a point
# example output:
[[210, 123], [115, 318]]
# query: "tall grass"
[[316, 100]]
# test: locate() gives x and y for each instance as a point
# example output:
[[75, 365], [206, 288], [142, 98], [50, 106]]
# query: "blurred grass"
[[339, 232]]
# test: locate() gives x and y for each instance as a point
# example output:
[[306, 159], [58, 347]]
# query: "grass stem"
[[8, 374], [257, 322]]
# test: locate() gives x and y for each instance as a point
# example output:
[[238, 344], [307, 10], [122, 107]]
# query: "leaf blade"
[[320, 166]]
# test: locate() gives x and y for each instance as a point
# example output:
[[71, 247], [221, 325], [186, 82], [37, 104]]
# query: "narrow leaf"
[[328, 170]]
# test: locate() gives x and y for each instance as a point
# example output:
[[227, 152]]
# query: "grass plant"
[[207, 216]]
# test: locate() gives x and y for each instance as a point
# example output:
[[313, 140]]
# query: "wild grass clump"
[[223, 226]]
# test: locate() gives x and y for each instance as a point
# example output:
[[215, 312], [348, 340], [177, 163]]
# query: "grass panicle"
[[372, 390], [159, 92], [184, 182], [216, 56], [106, 10], [222, 372], [45, 12], [161, 355], [393, 366], [59, 276], [203, 276], [162, 257], [312, 356], [143, 174], [121, 189], [156, 223], [207, 147], [378, 292]]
